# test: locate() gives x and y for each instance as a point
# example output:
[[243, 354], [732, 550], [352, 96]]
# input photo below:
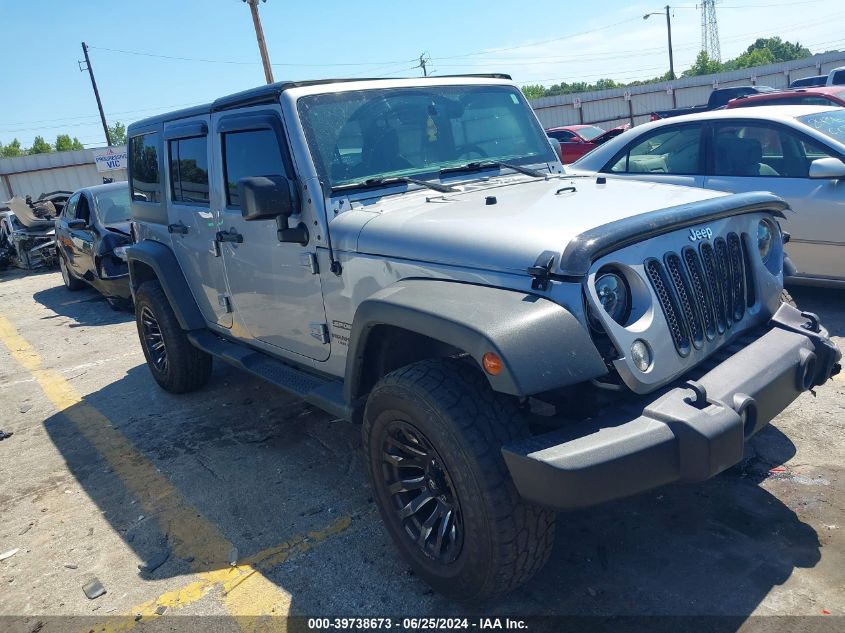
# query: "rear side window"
[[189, 170], [838, 78], [249, 153], [145, 179]]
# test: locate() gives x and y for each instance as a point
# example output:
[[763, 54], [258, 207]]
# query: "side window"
[[189, 170], [143, 154], [83, 210], [763, 150], [249, 153], [673, 151], [69, 212], [838, 78], [563, 136]]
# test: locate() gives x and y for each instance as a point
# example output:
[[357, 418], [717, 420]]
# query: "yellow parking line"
[[247, 592]]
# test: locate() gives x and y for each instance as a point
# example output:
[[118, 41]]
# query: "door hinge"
[[215, 248], [320, 331], [225, 302], [309, 261]]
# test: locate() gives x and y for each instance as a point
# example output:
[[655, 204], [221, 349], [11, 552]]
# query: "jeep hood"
[[528, 217]]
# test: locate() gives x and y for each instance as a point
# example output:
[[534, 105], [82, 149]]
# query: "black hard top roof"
[[268, 94]]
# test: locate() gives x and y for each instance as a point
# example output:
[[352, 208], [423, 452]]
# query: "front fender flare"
[[542, 345], [164, 264]]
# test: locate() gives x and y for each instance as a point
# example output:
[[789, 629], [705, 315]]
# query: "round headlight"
[[613, 293], [765, 238], [641, 355]]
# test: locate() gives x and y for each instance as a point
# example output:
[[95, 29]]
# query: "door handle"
[[180, 228], [230, 236]]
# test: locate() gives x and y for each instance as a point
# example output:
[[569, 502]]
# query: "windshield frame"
[[530, 126]]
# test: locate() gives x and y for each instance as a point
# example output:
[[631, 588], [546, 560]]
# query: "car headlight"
[[120, 252], [766, 233], [613, 293]]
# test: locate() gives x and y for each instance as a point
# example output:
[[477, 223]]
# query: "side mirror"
[[265, 197], [77, 224], [555, 146], [827, 168]]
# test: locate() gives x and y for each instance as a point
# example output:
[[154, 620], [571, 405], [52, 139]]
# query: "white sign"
[[576, 103], [627, 95], [110, 158], [669, 90]]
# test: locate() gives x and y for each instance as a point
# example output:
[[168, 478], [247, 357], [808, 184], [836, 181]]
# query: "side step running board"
[[325, 393]]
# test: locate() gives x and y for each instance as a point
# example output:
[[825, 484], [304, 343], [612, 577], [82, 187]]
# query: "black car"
[[91, 235]]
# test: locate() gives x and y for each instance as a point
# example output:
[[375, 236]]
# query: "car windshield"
[[831, 123], [589, 133], [112, 205], [361, 135]]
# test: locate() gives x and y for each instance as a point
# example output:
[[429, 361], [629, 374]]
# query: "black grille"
[[654, 270], [702, 292]]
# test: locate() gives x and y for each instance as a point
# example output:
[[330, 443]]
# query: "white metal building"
[[42, 173], [634, 104]]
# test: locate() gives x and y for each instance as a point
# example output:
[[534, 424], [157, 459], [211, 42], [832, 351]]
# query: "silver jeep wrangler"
[[410, 255]]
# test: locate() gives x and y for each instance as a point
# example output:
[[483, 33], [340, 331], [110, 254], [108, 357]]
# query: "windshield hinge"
[[541, 271], [309, 261]]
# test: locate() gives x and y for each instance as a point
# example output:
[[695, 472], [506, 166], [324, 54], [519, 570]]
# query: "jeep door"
[[755, 155], [193, 213], [274, 287]]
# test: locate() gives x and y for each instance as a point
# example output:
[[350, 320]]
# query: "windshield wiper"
[[484, 164], [380, 182]]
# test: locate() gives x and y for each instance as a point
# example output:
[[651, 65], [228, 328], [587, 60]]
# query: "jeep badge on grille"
[[696, 235]]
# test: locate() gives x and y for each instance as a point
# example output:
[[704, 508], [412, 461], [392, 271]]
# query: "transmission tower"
[[710, 30]]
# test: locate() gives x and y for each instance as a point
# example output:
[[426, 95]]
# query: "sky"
[[151, 56]]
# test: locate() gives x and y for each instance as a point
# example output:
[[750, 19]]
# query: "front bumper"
[[688, 433]]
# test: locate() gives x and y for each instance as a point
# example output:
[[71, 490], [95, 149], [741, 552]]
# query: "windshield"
[[112, 205], [358, 135], [589, 133], [830, 123]]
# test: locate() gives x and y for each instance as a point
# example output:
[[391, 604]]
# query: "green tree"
[[117, 131], [12, 149], [703, 66], [749, 59], [65, 144], [781, 51], [40, 146], [534, 91]]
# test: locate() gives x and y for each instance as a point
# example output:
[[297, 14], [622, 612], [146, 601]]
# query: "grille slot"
[[703, 292], [677, 328]]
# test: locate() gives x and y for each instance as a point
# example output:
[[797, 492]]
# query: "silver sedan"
[[796, 152]]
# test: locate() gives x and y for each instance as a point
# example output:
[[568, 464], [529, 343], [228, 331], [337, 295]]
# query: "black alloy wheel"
[[422, 492], [153, 340]]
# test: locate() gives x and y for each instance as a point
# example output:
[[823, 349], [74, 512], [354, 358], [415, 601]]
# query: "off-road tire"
[[187, 368], [785, 297], [506, 540], [71, 283]]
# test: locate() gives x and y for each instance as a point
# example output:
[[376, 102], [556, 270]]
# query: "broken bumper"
[[688, 433]]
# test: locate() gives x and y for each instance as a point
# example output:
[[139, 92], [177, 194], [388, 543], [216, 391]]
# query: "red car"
[[577, 140], [817, 95]]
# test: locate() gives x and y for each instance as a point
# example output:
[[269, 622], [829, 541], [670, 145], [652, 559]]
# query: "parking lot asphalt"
[[241, 500]]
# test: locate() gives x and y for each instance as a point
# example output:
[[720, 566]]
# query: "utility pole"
[[669, 31], [96, 92], [259, 35], [424, 60]]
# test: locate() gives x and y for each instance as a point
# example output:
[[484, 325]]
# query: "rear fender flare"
[[164, 265]]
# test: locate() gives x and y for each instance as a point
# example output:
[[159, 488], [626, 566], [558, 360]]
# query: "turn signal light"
[[492, 364]]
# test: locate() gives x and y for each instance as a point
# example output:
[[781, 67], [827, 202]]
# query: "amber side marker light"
[[492, 364]]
